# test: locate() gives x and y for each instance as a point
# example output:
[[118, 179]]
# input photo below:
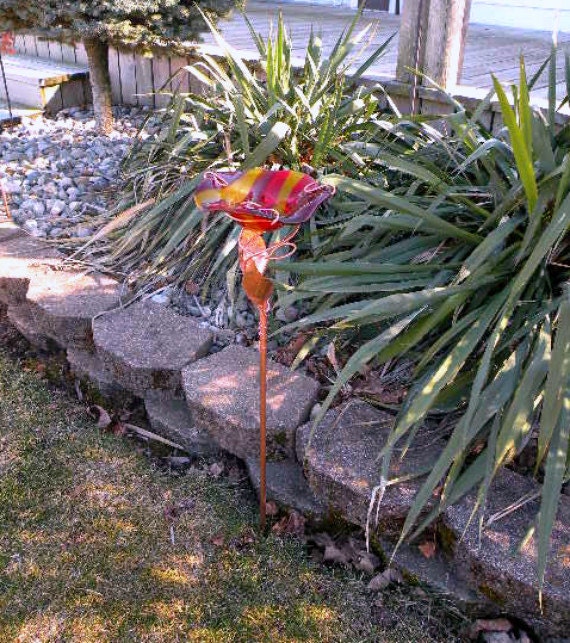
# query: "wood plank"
[[80, 54], [161, 71], [20, 44], [115, 73], [42, 47], [68, 53], [55, 52], [128, 70], [31, 45], [74, 93], [180, 80], [145, 84]]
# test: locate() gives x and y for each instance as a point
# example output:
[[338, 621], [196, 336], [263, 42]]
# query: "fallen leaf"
[[292, 525], [177, 460], [216, 469], [191, 287], [174, 511], [218, 540], [334, 555], [382, 580], [286, 354], [271, 508], [366, 563], [101, 415], [331, 356], [117, 428], [427, 548], [492, 625], [374, 385]]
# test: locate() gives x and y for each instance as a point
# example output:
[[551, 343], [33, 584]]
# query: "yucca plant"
[[464, 271], [299, 118]]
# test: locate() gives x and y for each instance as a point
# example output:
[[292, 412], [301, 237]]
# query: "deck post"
[[432, 39], [411, 47], [445, 41]]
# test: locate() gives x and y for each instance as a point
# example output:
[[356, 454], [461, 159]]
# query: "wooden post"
[[432, 39], [411, 43], [445, 40]]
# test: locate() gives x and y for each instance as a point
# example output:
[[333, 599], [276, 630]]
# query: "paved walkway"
[[488, 49]]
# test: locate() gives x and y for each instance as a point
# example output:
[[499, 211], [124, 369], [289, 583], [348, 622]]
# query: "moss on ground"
[[86, 551]]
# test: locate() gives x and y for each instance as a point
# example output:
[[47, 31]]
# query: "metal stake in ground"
[[262, 201]]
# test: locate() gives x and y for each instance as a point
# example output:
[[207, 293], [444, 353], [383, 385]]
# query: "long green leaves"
[[246, 116], [473, 228]]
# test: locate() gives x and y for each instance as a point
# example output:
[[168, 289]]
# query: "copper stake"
[[262, 413]]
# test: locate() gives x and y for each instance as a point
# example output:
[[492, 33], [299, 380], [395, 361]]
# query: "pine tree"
[[141, 25]]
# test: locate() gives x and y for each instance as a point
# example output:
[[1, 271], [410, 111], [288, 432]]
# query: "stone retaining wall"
[[209, 402]]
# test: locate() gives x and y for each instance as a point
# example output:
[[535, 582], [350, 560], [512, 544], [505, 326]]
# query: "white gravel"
[[60, 172]]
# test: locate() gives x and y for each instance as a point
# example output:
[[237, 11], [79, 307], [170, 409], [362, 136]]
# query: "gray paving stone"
[[342, 467], [170, 417], [493, 566], [223, 394], [25, 319], [21, 258], [145, 346], [287, 485], [68, 301], [9, 230]]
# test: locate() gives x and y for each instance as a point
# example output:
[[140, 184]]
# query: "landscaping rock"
[[20, 258], [25, 319], [342, 466], [86, 365], [287, 485], [68, 301], [57, 171], [170, 417], [223, 394], [493, 565], [146, 346]]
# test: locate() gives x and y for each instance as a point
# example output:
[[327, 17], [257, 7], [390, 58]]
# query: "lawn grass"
[[86, 552]]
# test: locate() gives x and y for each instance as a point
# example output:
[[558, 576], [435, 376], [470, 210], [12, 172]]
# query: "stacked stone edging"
[[146, 346], [222, 392], [152, 352]]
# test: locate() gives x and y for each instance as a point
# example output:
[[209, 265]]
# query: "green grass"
[[86, 555]]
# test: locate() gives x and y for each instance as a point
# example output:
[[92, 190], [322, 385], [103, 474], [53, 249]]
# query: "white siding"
[[546, 15]]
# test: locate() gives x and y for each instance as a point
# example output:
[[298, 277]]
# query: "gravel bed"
[[60, 172]]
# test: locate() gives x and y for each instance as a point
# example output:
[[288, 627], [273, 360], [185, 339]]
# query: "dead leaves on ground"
[[292, 524], [427, 548], [375, 387], [385, 578], [347, 552]]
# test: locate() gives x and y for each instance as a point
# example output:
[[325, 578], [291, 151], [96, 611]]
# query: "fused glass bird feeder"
[[262, 201]]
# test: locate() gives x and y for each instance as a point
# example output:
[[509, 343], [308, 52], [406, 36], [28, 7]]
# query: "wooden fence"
[[138, 80], [135, 79]]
